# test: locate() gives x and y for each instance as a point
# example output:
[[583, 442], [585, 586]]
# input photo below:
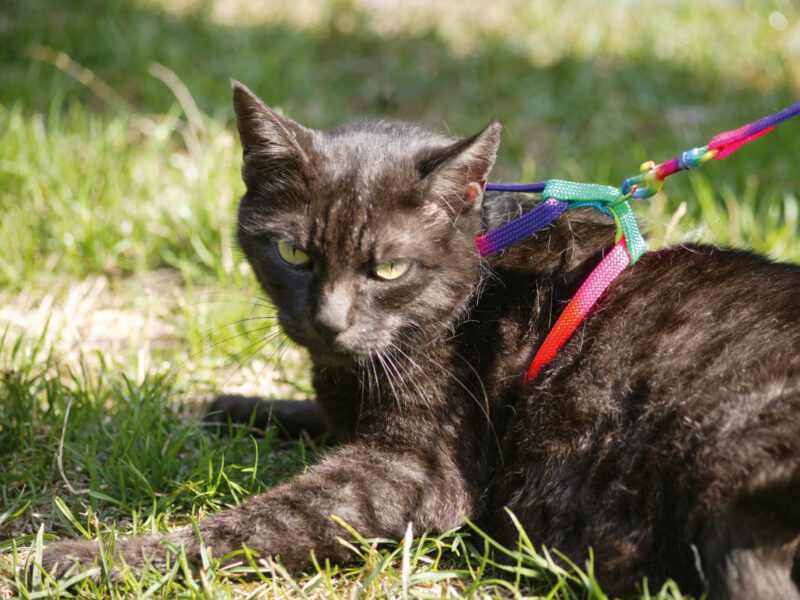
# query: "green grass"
[[124, 302], [100, 455]]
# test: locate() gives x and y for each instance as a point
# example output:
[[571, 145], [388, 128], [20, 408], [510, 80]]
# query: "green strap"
[[570, 191], [627, 226], [608, 200]]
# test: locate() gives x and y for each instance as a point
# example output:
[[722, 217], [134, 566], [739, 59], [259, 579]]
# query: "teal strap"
[[627, 226], [602, 207], [570, 191], [608, 200]]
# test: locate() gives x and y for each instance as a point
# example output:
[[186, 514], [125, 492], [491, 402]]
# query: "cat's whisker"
[[261, 342], [394, 372], [255, 347], [275, 356], [376, 389], [226, 299], [405, 355], [485, 406], [241, 321], [284, 345], [360, 373], [205, 349], [389, 378], [374, 381], [408, 381], [273, 327]]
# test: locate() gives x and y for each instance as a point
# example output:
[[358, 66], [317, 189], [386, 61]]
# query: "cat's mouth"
[[339, 352], [345, 349]]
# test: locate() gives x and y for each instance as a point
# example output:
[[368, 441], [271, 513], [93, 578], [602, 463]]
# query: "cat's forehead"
[[374, 153], [364, 199], [354, 228]]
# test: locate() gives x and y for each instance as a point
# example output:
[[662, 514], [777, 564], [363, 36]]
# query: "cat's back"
[[677, 395], [685, 309]]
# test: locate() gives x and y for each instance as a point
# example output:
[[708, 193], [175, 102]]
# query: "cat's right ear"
[[457, 174], [268, 139]]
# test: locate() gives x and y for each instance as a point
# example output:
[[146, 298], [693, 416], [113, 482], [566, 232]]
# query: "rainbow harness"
[[559, 196]]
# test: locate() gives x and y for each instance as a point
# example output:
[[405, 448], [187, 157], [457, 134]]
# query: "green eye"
[[292, 254], [391, 270]]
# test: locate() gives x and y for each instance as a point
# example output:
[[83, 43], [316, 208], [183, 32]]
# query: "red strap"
[[581, 303]]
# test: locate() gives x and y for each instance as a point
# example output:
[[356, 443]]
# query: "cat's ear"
[[456, 175], [266, 136]]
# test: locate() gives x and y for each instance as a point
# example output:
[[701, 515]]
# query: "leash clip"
[[647, 183]]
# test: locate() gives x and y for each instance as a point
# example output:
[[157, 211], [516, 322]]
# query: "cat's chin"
[[339, 353]]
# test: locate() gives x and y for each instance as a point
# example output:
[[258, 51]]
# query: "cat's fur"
[[665, 435]]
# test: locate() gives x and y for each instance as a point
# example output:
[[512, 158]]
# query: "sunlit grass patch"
[[115, 194], [123, 298]]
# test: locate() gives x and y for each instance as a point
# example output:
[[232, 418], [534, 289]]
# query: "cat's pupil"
[[292, 254], [392, 270]]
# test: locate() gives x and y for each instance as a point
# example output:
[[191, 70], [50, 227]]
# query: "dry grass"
[[118, 184]]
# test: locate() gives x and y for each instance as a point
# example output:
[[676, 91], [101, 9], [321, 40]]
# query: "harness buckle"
[[647, 183]]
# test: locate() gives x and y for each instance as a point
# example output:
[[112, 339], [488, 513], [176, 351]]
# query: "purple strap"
[[774, 119], [729, 142], [518, 229], [534, 188]]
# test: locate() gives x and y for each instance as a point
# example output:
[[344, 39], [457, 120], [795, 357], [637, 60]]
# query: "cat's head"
[[363, 236]]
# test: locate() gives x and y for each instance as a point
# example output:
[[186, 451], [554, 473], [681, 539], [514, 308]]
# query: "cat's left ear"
[[271, 143], [457, 174]]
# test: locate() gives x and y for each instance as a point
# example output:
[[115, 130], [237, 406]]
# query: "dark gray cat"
[[665, 435]]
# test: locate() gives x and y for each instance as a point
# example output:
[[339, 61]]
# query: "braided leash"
[[559, 196]]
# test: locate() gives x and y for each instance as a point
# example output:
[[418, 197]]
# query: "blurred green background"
[[119, 178], [104, 171]]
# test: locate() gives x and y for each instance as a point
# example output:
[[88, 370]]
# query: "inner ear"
[[475, 190], [456, 174]]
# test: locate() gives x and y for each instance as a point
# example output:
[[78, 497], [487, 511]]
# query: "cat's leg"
[[292, 417], [755, 553], [70, 557], [374, 488]]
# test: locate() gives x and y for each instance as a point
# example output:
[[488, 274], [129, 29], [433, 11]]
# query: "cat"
[[664, 436]]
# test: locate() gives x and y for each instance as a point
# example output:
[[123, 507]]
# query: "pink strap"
[[582, 302], [729, 142]]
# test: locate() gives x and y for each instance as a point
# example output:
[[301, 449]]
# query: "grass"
[[124, 458], [124, 304]]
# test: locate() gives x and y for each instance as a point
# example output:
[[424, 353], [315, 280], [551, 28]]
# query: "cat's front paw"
[[293, 417], [68, 558]]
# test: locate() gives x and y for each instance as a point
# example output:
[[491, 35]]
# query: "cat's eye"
[[391, 270], [292, 254]]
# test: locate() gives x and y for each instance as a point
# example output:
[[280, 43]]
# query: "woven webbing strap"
[[560, 195], [606, 199], [582, 302], [518, 229]]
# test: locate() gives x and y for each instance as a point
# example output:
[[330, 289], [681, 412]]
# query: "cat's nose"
[[328, 324], [333, 312]]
